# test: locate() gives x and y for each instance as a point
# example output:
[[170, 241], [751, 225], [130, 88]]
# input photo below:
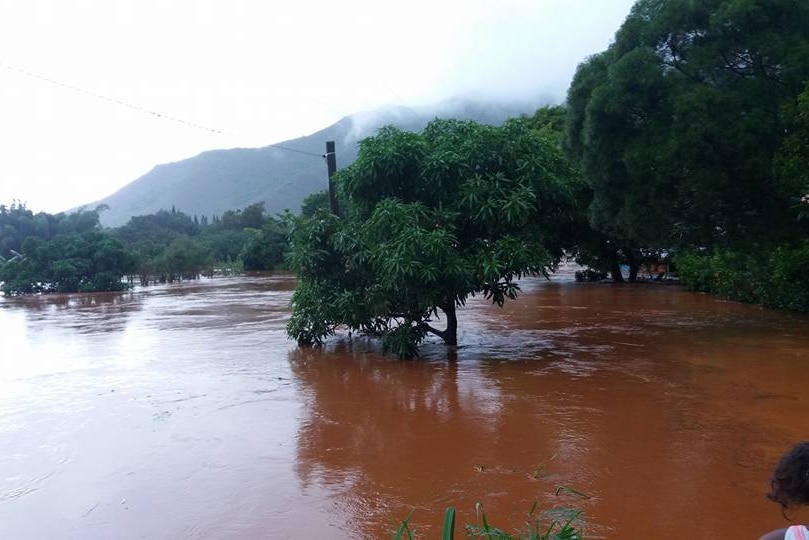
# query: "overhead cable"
[[137, 108]]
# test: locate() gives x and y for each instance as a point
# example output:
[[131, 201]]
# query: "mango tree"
[[431, 219]]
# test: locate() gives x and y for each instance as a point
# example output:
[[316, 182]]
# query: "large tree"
[[677, 123], [431, 218]]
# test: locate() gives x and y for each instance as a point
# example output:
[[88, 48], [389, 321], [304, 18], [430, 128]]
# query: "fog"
[[94, 93]]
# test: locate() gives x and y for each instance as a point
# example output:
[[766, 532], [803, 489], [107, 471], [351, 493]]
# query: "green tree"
[[237, 220], [91, 261], [266, 248], [314, 201], [225, 245], [430, 219], [80, 221], [676, 125], [150, 235], [162, 226], [551, 119], [183, 259], [792, 161]]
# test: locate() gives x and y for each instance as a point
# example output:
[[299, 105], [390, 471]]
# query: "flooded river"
[[184, 412]]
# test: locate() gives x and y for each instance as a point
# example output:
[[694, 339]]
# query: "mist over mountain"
[[220, 180]]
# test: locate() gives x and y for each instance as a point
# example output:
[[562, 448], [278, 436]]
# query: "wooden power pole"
[[331, 163]]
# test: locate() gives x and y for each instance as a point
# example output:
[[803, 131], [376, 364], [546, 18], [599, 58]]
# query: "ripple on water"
[[183, 410]]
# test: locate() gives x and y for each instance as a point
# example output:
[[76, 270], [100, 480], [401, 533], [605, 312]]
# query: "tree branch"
[[437, 332]]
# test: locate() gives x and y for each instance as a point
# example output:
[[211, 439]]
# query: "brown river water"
[[183, 411]]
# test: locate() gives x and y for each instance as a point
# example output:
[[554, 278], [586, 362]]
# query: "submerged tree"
[[432, 218], [87, 262]]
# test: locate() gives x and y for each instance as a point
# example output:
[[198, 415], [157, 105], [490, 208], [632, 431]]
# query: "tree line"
[[691, 131], [41, 253], [688, 137]]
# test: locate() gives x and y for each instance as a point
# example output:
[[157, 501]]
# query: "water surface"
[[183, 411]]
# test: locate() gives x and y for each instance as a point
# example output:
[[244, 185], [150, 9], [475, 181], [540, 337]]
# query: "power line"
[[402, 102], [137, 108], [108, 99], [304, 152]]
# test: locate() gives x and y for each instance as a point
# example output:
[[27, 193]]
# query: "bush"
[[776, 277], [590, 274]]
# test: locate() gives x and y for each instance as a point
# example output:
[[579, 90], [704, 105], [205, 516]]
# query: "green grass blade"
[[448, 532], [403, 532], [485, 523]]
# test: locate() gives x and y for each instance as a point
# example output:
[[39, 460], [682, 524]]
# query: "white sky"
[[258, 71]]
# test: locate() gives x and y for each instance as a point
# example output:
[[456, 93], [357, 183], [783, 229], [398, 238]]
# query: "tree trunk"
[[633, 265], [615, 270], [451, 333]]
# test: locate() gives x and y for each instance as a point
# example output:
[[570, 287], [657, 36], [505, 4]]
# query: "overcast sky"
[[79, 78]]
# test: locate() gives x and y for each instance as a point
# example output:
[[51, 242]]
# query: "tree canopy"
[[17, 223], [676, 125], [792, 161], [87, 262], [430, 219], [42, 253], [58, 252]]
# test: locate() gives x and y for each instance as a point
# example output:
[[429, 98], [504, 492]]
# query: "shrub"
[[775, 277]]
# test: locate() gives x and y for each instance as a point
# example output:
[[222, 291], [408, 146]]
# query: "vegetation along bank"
[[687, 139]]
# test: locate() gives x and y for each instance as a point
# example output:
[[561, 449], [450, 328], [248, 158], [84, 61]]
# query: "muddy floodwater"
[[184, 412]]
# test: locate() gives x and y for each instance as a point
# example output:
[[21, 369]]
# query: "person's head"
[[790, 481]]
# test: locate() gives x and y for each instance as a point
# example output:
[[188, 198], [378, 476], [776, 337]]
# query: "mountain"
[[220, 180]]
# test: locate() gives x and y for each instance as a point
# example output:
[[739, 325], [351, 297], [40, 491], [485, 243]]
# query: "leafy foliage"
[[58, 252], [776, 277], [313, 202], [69, 252], [18, 223], [677, 124], [86, 262], [266, 248], [555, 524], [431, 218], [172, 245], [792, 161]]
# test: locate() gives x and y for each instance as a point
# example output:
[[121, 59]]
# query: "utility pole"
[[331, 163]]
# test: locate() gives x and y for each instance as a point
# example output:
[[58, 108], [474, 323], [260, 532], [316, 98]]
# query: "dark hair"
[[790, 481]]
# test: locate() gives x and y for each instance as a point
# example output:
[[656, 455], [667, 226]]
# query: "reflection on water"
[[182, 411]]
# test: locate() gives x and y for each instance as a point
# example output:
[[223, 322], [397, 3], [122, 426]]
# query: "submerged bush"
[[590, 274], [776, 277]]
